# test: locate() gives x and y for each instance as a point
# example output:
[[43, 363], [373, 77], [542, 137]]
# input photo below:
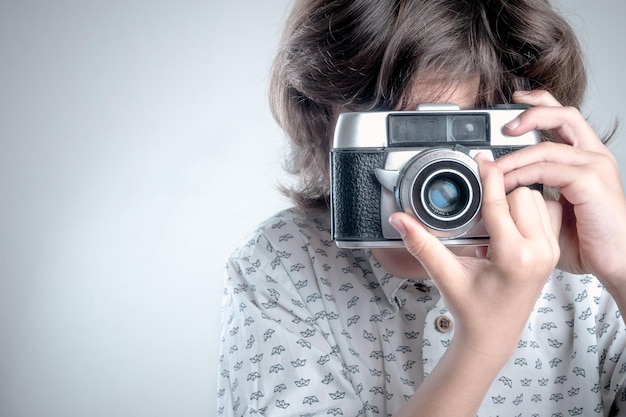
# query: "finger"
[[534, 217], [555, 217], [546, 173], [579, 184], [495, 207], [482, 251], [547, 152], [436, 259], [529, 213], [551, 214], [536, 98], [570, 126]]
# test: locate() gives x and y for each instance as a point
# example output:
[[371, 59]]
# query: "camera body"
[[419, 162]]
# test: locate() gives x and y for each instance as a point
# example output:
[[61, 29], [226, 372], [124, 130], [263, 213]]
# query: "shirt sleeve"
[[274, 358]]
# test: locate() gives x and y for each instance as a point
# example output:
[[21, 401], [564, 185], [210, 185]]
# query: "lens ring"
[[424, 166]]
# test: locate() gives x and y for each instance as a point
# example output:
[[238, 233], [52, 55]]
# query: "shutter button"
[[443, 324]]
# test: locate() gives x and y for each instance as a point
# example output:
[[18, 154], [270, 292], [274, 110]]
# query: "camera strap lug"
[[387, 178]]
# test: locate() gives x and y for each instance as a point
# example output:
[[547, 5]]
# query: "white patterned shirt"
[[309, 329]]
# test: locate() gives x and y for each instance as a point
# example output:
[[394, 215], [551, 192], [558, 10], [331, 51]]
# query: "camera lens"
[[445, 196], [441, 186]]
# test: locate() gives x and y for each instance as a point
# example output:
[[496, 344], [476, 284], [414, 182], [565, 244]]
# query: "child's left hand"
[[593, 233]]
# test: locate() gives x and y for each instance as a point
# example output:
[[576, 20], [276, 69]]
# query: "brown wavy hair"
[[363, 55]]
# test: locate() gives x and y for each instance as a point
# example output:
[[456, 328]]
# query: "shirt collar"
[[391, 284]]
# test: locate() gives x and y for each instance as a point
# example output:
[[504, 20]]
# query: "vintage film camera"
[[419, 162]]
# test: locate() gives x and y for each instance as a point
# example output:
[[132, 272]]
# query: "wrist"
[[616, 286], [494, 350], [458, 383]]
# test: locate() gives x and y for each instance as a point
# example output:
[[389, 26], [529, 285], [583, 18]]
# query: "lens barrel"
[[441, 186]]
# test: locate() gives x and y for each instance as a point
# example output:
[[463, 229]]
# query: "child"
[[528, 325]]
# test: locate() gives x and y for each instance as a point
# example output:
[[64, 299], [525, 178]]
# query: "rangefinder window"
[[428, 129]]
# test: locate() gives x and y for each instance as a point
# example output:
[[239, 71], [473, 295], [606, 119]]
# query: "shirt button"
[[443, 324]]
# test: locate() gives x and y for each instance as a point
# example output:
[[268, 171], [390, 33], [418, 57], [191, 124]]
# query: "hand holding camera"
[[504, 283], [593, 236]]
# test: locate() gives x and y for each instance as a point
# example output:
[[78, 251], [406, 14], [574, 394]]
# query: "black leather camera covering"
[[501, 151], [356, 195]]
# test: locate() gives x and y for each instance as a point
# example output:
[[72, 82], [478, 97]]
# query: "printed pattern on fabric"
[[309, 329]]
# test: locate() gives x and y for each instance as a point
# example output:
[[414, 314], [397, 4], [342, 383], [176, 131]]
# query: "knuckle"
[[523, 258], [534, 259], [571, 112], [530, 112], [415, 247], [542, 94], [548, 147], [598, 171], [522, 194], [608, 161]]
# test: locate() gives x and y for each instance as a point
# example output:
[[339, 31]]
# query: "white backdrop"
[[137, 150]]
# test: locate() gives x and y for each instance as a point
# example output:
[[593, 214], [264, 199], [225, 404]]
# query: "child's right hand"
[[492, 295]]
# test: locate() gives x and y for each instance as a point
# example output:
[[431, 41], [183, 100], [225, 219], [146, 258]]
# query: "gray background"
[[137, 151]]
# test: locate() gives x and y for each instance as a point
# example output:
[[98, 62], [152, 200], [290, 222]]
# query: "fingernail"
[[512, 124], [399, 226], [522, 93], [483, 156]]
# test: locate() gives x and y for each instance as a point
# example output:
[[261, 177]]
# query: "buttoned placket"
[[438, 323], [438, 333]]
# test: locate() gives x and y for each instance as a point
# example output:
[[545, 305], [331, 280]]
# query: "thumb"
[[434, 256]]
